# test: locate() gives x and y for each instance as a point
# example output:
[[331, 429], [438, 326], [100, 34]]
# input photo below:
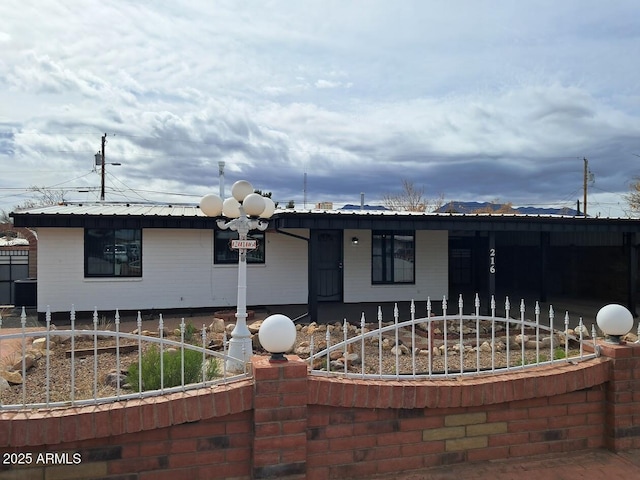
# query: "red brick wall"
[[360, 428], [287, 424], [206, 433], [622, 408]]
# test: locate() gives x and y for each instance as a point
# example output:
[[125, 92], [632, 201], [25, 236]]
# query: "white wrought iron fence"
[[49, 367], [450, 344]]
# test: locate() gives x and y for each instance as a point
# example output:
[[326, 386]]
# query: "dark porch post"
[[313, 275], [544, 251], [492, 267], [632, 271]]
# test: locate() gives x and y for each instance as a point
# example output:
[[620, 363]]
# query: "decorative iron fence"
[[449, 345], [49, 367]]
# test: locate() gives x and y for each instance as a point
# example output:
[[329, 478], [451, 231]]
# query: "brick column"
[[280, 418], [622, 430]]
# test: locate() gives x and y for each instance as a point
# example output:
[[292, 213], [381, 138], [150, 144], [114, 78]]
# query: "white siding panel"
[[432, 269], [178, 272]]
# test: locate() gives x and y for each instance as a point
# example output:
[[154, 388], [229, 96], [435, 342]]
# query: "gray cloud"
[[486, 100]]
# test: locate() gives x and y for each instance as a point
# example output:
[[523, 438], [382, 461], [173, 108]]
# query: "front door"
[[329, 270]]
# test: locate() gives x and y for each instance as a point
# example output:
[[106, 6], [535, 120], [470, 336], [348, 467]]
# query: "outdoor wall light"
[[244, 211], [277, 335], [615, 321], [355, 240]]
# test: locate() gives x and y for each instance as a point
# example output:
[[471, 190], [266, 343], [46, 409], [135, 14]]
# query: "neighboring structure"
[[142, 257], [18, 260]]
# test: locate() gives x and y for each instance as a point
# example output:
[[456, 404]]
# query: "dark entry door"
[[329, 270]]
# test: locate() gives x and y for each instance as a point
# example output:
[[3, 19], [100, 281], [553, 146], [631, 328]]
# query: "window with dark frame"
[[112, 252], [392, 257], [223, 254]]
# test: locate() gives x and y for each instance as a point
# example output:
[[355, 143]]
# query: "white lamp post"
[[615, 321], [246, 211]]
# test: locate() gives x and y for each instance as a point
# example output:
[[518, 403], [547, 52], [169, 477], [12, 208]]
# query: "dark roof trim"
[[329, 221], [497, 223], [112, 221]]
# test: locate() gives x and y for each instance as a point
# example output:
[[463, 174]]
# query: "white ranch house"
[[162, 257]]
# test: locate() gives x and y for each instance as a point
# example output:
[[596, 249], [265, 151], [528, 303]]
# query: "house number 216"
[[492, 260]]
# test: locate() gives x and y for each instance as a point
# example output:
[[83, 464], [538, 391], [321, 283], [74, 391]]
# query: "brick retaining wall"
[[287, 424]]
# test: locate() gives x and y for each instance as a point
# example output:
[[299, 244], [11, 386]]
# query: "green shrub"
[[171, 369], [189, 332], [559, 353]]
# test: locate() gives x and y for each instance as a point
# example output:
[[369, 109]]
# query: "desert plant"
[[171, 369], [559, 353], [104, 323], [190, 331]]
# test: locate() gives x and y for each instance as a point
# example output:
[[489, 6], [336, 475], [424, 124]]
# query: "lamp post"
[[244, 211]]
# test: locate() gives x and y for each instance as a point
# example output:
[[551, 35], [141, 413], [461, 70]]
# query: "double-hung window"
[[392, 257], [110, 252], [224, 254]]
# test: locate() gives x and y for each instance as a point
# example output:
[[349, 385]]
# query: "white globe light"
[[269, 208], [614, 320], [241, 189], [277, 335], [253, 204], [211, 205], [231, 208]]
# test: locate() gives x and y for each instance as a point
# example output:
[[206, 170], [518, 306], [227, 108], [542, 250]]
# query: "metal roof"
[[107, 209], [137, 215]]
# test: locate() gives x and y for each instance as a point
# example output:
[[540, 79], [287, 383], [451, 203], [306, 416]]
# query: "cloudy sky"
[[472, 100]]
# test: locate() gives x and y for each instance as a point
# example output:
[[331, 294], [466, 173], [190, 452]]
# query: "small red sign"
[[246, 244]]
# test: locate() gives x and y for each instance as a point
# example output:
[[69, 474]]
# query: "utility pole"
[[586, 175], [104, 140]]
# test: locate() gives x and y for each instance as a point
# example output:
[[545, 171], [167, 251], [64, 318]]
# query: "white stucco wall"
[[178, 272], [431, 271]]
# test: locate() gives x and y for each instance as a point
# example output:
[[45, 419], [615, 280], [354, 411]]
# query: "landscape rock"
[[29, 362], [255, 326], [11, 376], [217, 326], [351, 359], [303, 349], [335, 355], [39, 343], [111, 379], [255, 341], [397, 350]]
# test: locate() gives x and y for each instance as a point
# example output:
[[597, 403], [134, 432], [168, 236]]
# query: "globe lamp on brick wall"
[[277, 335], [615, 321]]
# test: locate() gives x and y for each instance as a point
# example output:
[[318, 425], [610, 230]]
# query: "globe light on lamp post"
[[244, 211], [277, 335], [615, 321]]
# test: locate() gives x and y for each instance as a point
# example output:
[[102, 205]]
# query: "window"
[[224, 254], [112, 252], [393, 257]]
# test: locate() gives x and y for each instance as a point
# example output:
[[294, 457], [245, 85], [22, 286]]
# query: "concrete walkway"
[[582, 465]]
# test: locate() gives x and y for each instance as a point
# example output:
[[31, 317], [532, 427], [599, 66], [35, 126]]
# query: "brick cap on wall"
[[462, 392], [61, 425]]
